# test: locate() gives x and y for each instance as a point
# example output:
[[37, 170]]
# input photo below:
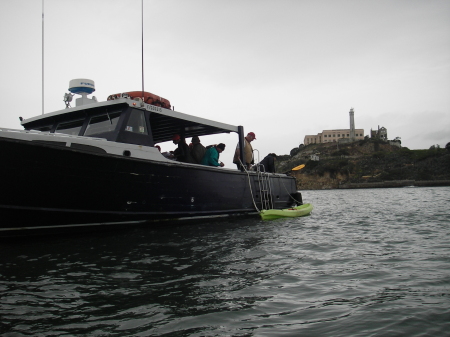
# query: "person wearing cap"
[[181, 153], [211, 157], [268, 163], [248, 152], [197, 150]]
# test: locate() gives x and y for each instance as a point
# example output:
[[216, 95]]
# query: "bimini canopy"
[[166, 123]]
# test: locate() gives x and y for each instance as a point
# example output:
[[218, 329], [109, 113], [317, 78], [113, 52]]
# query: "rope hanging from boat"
[[264, 184], [265, 187], [250, 185], [290, 196], [251, 191]]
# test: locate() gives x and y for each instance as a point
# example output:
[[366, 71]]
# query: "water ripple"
[[365, 263]]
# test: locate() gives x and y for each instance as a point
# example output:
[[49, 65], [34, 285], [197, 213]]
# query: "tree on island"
[[294, 151]]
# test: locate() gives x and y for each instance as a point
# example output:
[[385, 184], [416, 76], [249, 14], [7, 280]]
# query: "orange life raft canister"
[[147, 97]]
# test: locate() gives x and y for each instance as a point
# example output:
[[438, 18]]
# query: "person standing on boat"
[[182, 152], [197, 150], [211, 157], [268, 163], [248, 152]]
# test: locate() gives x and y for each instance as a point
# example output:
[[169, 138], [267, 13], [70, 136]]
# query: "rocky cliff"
[[357, 164]]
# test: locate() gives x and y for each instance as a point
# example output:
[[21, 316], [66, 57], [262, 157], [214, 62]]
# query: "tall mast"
[[42, 56], [142, 45]]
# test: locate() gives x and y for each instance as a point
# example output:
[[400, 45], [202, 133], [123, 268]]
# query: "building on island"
[[337, 135], [332, 136], [381, 133]]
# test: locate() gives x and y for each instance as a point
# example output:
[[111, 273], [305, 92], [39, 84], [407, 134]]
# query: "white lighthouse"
[[352, 124]]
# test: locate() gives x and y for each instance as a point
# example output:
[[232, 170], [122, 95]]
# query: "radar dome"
[[81, 86]]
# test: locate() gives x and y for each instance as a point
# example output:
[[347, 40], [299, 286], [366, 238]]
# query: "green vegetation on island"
[[365, 162]]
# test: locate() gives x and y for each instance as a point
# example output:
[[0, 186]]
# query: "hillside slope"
[[367, 161]]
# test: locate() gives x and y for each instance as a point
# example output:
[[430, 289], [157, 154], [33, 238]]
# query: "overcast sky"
[[282, 69]]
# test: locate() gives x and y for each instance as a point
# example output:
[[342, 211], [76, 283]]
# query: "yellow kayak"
[[270, 214]]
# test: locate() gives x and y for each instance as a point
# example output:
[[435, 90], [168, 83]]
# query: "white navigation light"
[[83, 87]]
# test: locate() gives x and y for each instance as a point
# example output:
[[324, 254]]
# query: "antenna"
[[42, 56], [142, 45]]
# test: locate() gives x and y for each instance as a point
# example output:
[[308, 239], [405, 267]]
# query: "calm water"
[[372, 262]]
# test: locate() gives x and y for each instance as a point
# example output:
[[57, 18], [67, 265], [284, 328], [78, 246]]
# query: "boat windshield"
[[46, 128], [102, 123], [71, 127], [136, 123]]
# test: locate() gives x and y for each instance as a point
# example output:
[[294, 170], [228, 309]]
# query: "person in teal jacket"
[[211, 157]]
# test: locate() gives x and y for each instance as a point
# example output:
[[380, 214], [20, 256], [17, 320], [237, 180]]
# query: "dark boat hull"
[[46, 186]]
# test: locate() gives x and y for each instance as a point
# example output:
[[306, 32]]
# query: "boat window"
[[46, 128], [136, 122], [102, 123], [70, 128]]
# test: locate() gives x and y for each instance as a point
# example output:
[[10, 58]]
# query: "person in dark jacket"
[[268, 163], [197, 150], [211, 157], [182, 152]]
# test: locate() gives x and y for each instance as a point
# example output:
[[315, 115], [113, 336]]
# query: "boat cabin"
[[135, 117], [125, 120]]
